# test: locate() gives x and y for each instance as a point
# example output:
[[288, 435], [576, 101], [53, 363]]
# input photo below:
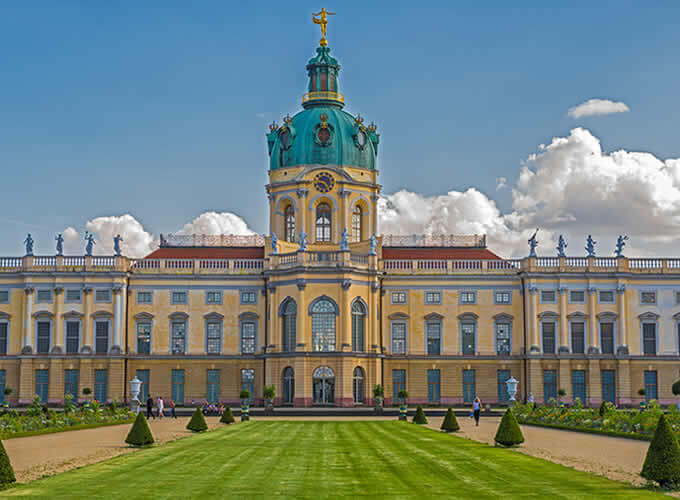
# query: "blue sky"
[[160, 110]]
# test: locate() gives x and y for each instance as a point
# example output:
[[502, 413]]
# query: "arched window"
[[323, 222], [323, 326], [288, 386], [358, 322], [289, 223], [356, 223], [358, 385], [289, 322]]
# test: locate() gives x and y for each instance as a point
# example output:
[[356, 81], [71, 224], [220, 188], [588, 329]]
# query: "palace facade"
[[324, 309]]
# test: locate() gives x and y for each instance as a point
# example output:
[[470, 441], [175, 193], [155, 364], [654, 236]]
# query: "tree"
[[642, 392], [378, 392], [269, 392], [509, 433], [450, 424], [86, 392], [140, 434], [227, 416], [662, 463], [197, 422], [676, 388], [419, 417], [6, 471]]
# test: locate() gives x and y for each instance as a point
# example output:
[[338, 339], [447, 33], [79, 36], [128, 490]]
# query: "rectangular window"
[[102, 295], [4, 296], [503, 347], [398, 338], [42, 380], [144, 337], [647, 297], [649, 339], [72, 337], [468, 297], [578, 385], [101, 337], [71, 384], [213, 297], [248, 337], [548, 296], [607, 297], [434, 340], [398, 383], [178, 386], [3, 384], [608, 378], [607, 338], [214, 334], [73, 295], [549, 385], [651, 388], [503, 297], [501, 377], [178, 297], [144, 376], [578, 338], [248, 382], [43, 337], [433, 297], [101, 383], [433, 386], [4, 336], [469, 389], [577, 296], [213, 389], [677, 297], [468, 338], [144, 297], [178, 329], [248, 297], [44, 296], [548, 335], [398, 297]]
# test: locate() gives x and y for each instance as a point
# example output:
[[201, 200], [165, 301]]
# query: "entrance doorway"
[[288, 386], [324, 386]]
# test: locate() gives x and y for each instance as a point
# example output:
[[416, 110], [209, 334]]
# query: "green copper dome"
[[322, 134]]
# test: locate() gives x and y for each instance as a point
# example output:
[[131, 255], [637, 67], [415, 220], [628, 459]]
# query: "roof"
[[438, 253], [207, 253]]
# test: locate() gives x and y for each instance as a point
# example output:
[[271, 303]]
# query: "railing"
[[432, 265], [361, 260], [288, 259], [605, 262], [645, 263], [103, 261], [504, 265], [576, 261], [434, 240], [74, 261], [10, 263], [466, 265], [312, 96], [144, 264], [198, 266], [249, 264], [324, 258], [214, 264], [547, 261], [398, 265]]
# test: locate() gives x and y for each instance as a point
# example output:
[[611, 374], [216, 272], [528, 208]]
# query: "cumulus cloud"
[[596, 107], [501, 182], [215, 223], [72, 244]]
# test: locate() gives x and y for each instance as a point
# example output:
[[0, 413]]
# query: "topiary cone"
[[509, 433], [6, 471], [419, 417], [662, 463], [227, 416], [140, 434], [450, 424], [197, 422]]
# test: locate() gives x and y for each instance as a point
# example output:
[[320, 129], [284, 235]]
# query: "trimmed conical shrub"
[[227, 416], [450, 424], [140, 434], [197, 422], [6, 471], [662, 463], [419, 417], [509, 433]]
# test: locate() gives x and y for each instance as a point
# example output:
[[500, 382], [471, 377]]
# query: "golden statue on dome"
[[323, 22]]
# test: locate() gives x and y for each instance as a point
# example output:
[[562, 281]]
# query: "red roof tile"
[[207, 253], [438, 253]]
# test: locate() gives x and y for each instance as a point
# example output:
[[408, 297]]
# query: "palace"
[[324, 309]]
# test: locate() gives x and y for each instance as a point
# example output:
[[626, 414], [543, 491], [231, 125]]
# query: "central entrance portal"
[[324, 386]]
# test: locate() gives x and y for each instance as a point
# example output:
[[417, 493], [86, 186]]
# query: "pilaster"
[[533, 330], [564, 333], [624, 389], [58, 323], [565, 379], [592, 323], [594, 389], [622, 349], [86, 326], [28, 320]]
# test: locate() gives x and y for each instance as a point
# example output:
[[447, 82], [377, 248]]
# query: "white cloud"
[[596, 107], [72, 244], [214, 223], [501, 182]]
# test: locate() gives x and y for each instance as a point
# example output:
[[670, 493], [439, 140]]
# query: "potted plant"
[[269, 393], [245, 405], [8, 391], [560, 394], [86, 392], [402, 395], [378, 397], [643, 403]]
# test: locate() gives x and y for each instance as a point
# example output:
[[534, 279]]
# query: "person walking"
[[160, 405], [149, 407], [172, 409], [476, 410]]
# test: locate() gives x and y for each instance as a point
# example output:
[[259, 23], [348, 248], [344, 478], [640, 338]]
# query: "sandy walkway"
[[38, 456]]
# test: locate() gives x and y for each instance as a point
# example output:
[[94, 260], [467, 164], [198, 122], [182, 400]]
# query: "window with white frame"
[[72, 336], [144, 297], [607, 297], [503, 346], [4, 296], [178, 330], [178, 297], [4, 336], [433, 330], [647, 297], [102, 295], [548, 296], [503, 297], [577, 296], [398, 297], [213, 337], [548, 329], [144, 337], [43, 336], [44, 295], [607, 337], [72, 295], [213, 297], [649, 338], [398, 337], [248, 297], [468, 297], [248, 337], [433, 297], [578, 337]]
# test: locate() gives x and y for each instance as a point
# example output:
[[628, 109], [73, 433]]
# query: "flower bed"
[[38, 421], [606, 420]]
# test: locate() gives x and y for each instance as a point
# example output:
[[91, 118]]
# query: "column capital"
[[621, 288], [592, 290], [533, 290], [301, 283], [346, 284], [562, 290], [87, 289], [58, 290], [302, 192], [28, 290]]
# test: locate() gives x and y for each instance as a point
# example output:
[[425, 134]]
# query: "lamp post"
[[512, 384], [135, 387]]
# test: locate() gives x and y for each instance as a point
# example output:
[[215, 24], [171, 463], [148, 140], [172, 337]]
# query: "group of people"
[[212, 408], [160, 407]]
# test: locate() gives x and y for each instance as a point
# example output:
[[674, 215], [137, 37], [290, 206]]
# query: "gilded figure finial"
[[323, 22]]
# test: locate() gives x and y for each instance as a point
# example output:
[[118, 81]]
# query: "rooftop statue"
[[620, 243], [302, 240], [275, 243], [590, 246], [533, 243], [29, 245], [60, 244], [323, 22], [89, 237], [372, 244], [117, 239], [561, 245]]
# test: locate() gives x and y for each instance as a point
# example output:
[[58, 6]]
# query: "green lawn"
[[326, 459]]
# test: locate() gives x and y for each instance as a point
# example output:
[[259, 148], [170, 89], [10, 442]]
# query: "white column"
[[28, 323]]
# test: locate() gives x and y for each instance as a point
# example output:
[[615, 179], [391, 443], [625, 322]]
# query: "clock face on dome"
[[324, 182]]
